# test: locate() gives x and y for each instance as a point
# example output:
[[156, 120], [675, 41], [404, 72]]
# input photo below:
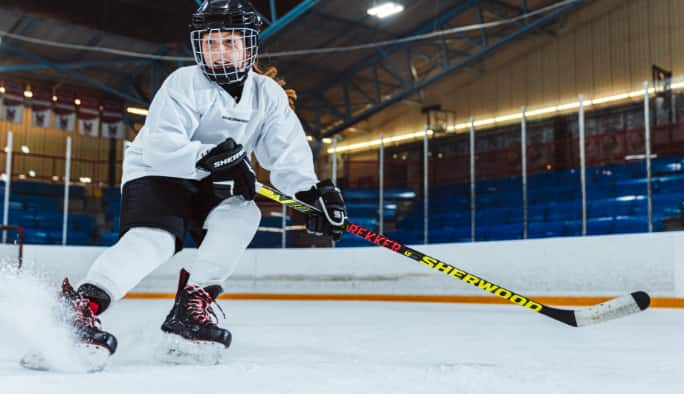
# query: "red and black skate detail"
[[81, 315], [192, 316]]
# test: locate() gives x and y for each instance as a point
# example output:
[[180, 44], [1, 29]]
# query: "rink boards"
[[561, 271]]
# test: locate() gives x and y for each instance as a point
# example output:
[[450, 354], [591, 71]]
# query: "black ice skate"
[[191, 331], [92, 345]]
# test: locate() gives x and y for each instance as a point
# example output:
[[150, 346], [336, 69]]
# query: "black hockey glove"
[[326, 197], [231, 172]]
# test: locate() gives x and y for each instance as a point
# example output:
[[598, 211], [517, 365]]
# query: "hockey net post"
[[12, 251]]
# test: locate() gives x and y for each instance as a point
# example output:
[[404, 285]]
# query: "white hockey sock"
[[230, 228], [121, 267]]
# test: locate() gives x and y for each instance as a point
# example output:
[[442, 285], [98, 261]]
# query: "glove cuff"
[[308, 196]]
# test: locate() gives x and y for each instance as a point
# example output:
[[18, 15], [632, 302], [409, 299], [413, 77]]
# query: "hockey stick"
[[611, 309]]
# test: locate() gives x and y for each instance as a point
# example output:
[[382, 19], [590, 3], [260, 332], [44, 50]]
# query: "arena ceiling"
[[336, 89]]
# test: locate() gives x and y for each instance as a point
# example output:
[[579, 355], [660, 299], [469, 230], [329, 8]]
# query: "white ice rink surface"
[[358, 347]]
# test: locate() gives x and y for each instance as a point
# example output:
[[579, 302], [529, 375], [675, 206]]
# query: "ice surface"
[[358, 347]]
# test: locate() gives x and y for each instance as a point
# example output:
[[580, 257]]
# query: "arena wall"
[[566, 270]]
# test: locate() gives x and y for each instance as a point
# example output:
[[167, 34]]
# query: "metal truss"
[[394, 73]]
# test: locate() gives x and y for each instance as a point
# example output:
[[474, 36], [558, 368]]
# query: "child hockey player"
[[188, 170]]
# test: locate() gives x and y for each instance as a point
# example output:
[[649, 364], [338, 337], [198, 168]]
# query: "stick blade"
[[613, 309]]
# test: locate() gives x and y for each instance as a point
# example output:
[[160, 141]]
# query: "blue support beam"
[[69, 74], [69, 66], [277, 25], [274, 11], [341, 124], [381, 60]]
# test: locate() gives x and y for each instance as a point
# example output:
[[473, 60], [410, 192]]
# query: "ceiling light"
[[77, 102], [137, 111], [54, 98], [28, 94], [385, 9]]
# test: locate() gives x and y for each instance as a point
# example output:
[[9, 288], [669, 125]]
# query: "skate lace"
[[199, 306], [83, 315], [80, 307]]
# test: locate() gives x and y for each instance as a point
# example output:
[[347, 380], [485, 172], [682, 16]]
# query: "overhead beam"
[[382, 59], [69, 66], [419, 85], [293, 14], [69, 74]]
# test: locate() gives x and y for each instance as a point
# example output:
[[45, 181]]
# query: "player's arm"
[[170, 124], [285, 152]]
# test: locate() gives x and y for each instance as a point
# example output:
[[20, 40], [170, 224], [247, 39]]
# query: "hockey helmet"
[[225, 39]]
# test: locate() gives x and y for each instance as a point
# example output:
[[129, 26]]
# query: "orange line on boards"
[[555, 300]]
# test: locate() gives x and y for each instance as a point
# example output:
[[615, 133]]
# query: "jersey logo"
[[232, 119]]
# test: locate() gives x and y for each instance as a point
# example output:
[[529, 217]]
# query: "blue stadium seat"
[[536, 213], [405, 237], [599, 226], [564, 211], [669, 184], [360, 194], [631, 187], [397, 194], [264, 239], [501, 232], [610, 207], [632, 224], [109, 238], [36, 237], [667, 166], [493, 216], [349, 240], [545, 229]]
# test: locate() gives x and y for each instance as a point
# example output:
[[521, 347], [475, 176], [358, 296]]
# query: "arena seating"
[[616, 204], [38, 207]]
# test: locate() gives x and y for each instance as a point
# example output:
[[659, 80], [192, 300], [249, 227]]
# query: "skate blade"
[[174, 349], [88, 357]]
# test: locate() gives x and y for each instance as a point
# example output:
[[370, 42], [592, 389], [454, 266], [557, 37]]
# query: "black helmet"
[[237, 17], [216, 14]]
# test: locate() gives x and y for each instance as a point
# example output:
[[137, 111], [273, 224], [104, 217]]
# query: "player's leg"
[[192, 321], [230, 227], [155, 212]]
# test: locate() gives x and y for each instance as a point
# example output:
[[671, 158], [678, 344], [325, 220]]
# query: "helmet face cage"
[[225, 54]]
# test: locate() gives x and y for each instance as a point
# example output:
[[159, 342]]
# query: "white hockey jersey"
[[190, 115]]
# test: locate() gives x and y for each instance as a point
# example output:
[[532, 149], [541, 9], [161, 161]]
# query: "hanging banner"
[[41, 103], [113, 130], [13, 102], [65, 111], [40, 118], [13, 113], [112, 119], [89, 117], [65, 122]]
